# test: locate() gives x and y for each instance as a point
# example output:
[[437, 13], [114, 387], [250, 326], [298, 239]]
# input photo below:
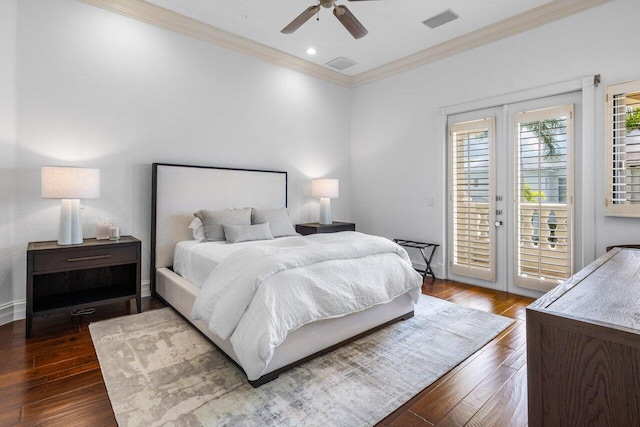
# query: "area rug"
[[160, 372]]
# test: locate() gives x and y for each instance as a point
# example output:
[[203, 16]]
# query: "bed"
[[181, 190]]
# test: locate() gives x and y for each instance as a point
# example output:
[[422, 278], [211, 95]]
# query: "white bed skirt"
[[303, 342]]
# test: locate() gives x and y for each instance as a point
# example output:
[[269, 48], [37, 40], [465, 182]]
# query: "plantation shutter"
[[471, 183], [543, 197], [623, 149]]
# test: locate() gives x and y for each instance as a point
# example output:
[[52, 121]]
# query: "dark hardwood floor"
[[54, 378], [487, 389]]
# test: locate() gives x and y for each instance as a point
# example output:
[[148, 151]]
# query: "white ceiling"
[[395, 26]]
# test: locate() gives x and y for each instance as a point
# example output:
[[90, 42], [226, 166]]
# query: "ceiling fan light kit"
[[344, 15]]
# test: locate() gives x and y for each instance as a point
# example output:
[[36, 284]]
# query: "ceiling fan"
[[343, 14]]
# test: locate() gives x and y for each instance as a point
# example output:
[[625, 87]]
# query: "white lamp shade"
[[325, 187], [70, 184], [59, 182]]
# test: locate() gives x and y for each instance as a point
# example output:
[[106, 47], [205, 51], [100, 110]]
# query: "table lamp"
[[325, 189], [70, 184]]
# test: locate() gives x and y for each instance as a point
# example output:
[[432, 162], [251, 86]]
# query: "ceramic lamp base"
[[70, 230], [325, 211]]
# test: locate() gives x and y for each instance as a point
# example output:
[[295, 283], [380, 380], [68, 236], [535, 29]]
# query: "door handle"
[[498, 223]]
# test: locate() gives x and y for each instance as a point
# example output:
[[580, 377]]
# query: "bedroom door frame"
[[585, 165]]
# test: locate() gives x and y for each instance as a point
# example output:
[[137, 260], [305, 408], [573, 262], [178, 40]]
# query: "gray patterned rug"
[[161, 372]]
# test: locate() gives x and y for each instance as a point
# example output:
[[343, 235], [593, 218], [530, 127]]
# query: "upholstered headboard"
[[181, 190]]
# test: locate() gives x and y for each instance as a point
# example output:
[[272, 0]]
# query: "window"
[[623, 149], [562, 188], [471, 146]]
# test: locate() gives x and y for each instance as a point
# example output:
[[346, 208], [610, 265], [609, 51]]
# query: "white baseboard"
[[12, 311], [146, 288], [16, 310]]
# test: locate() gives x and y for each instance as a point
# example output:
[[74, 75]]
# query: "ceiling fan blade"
[[301, 19], [350, 22]]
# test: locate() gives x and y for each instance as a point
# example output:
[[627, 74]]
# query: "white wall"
[[8, 142], [85, 87], [96, 89], [397, 153]]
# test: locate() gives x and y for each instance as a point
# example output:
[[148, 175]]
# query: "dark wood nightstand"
[[315, 228], [78, 278]]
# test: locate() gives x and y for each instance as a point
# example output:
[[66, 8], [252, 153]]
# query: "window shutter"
[[543, 197], [623, 149], [471, 182]]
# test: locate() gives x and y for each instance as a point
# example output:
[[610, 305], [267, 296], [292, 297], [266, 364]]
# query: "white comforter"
[[258, 295]]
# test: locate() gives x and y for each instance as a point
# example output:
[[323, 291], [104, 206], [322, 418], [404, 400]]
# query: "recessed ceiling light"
[[311, 51]]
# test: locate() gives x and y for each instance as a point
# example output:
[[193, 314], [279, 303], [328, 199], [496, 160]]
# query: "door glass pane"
[[472, 193], [543, 237]]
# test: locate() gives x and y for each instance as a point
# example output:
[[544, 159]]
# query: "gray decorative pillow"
[[244, 233], [278, 220], [196, 229], [212, 221]]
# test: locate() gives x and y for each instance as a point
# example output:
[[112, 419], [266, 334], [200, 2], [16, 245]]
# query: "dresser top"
[[605, 292]]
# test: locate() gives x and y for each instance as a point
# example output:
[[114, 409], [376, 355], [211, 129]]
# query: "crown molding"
[[537, 17], [167, 19]]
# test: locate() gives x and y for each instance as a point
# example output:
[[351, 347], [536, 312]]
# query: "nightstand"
[[315, 228], [78, 278]]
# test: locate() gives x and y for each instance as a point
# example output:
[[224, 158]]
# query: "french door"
[[472, 197], [510, 205], [543, 197]]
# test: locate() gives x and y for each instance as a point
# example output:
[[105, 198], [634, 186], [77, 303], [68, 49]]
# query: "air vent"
[[341, 63], [440, 19]]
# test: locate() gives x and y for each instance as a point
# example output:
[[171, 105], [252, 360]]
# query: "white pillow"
[[278, 220], [196, 228], [244, 233], [212, 221]]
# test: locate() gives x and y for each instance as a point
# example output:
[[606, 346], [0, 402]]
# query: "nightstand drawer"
[[315, 228], [84, 258]]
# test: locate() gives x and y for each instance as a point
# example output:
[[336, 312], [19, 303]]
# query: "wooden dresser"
[[583, 347]]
